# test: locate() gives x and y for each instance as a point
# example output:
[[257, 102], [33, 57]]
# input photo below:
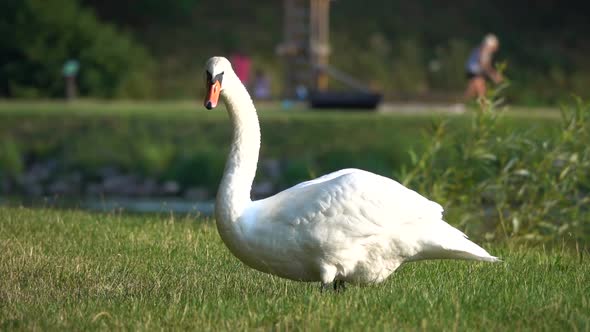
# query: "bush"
[[198, 168], [11, 163], [38, 36], [409, 69], [510, 185], [447, 69]]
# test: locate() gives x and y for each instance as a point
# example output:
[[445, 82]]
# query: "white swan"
[[350, 225]]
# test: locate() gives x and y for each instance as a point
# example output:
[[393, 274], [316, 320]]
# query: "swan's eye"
[[218, 77]]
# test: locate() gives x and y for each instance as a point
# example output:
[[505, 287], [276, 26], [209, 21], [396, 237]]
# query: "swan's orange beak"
[[212, 97]]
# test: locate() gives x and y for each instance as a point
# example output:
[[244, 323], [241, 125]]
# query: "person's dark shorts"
[[471, 76]]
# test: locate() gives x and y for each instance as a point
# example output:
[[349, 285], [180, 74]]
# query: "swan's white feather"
[[355, 224], [349, 225]]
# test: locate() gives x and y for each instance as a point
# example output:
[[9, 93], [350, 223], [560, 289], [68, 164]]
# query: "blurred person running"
[[480, 67]]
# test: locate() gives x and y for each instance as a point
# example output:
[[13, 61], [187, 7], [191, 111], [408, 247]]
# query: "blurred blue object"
[[286, 103], [71, 68], [301, 92]]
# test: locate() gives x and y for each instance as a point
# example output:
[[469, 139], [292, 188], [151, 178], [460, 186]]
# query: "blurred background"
[[407, 50], [99, 98]]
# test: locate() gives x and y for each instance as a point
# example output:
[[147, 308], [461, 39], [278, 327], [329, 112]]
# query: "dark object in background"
[[344, 100]]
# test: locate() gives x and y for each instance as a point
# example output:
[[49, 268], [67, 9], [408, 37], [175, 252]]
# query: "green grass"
[[77, 271]]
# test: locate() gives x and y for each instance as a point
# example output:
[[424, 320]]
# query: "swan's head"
[[216, 69]]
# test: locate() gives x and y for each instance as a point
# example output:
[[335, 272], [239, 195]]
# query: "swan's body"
[[350, 225]]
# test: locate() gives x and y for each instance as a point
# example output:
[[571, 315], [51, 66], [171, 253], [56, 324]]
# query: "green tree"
[[38, 36]]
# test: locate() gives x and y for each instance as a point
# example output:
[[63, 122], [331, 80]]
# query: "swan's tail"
[[446, 242], [465, 249]]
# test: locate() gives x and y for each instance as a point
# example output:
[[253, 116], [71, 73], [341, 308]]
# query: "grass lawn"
[[77, 271]]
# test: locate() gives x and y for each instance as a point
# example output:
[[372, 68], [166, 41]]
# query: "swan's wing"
[[358, 206], [357, 200], [323, 178]]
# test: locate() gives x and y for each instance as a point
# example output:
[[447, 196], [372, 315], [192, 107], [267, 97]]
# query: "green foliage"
[[371, 63], [409, 68], [172, 141], [448, 66], [510, 184], [393, 68], [40, 35], [176, 142], [198, 168], [11, 162], [386, 47], [68, 270]]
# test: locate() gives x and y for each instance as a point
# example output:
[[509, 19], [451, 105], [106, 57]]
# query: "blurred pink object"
[[242, 64]]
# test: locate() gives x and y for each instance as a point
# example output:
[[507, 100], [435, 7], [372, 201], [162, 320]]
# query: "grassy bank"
[[77, 271], [181, 142]]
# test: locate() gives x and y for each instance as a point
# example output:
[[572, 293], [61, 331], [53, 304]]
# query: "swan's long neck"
[[233, 194]]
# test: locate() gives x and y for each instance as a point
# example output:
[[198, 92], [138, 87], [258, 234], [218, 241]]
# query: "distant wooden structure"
[[306, 52], [306, 45]]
